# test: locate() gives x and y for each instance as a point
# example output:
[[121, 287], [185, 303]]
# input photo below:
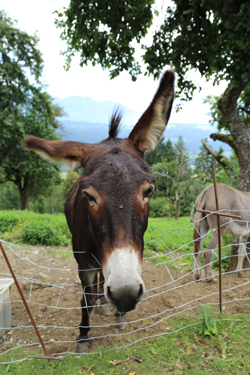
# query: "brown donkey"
[[107, 207], [231, 201]]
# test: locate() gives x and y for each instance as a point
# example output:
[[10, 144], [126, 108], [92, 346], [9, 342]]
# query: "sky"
[[94, 82]]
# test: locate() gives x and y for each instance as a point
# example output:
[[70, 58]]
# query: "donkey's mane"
[[115, 123]]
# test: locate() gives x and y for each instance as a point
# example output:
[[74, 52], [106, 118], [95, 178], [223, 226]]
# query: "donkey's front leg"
[[86, 307]]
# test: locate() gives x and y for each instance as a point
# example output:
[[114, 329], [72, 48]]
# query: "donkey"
[[230, 200], [107, 207]]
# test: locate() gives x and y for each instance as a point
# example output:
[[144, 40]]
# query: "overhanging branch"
[[219, 157], [225, 138]]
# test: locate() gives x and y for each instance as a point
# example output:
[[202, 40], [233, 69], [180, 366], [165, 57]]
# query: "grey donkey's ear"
[[150, 127]]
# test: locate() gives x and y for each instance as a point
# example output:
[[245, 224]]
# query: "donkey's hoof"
[[93, 312], [211, 281], [82, 347], [198, 279], [240, 274], [106, 310]]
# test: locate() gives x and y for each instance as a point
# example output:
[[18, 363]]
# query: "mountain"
[[80, 108], [90, 132], [87, 121]]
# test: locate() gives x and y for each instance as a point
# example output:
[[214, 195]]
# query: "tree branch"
[[226, 138], [220, 158], [165, 175]]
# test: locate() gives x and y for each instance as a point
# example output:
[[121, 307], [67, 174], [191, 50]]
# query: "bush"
[[8, 220], [158, 207], [34, 228]]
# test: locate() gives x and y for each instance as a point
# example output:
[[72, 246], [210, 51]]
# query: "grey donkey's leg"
[[241, 256]]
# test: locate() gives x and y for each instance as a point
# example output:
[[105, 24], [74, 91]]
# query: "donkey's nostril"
[[109, 294], [140, 294]]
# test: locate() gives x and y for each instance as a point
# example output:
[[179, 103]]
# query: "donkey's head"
[[113, 194]]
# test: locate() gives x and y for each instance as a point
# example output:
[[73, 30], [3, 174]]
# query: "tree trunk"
[[177, 209], [235, 124], [171, 210], [23, 199]]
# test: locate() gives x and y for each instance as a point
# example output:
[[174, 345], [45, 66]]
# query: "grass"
[[166, 235], [175, 234], [183, 352]]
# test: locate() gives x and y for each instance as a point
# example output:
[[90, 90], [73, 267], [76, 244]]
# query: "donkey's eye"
[[91, 199], [147, 193]]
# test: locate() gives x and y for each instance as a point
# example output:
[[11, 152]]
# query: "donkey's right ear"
[[75, 154], [150, 127]]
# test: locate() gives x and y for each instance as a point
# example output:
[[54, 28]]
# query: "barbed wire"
[[49, 279]]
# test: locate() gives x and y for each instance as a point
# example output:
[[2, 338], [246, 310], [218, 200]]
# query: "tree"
[[19, 58], [68, 183], [25, 108], [31, 174], [163, 151], [212, 37], [9, 197], [174, 177], [217, 120], [203, 163]]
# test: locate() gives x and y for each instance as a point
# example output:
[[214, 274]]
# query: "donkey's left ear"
[[150, 127]]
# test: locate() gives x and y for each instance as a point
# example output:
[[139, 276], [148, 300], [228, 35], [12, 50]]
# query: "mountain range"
[[87, 121]]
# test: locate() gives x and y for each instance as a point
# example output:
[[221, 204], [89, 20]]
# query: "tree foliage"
[[68, 183], [212, 37], [25, 108], [19, 58], [9, 197], [103, 32], [163, 151], [174, 176], [243, 105]]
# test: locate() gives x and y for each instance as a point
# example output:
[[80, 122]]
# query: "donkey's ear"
[[74, 154], [150, 127]]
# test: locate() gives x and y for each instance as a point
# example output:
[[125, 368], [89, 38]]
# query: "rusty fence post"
[[219, 235]]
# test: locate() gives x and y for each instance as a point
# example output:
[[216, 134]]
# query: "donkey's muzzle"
[[124, 286], [125, 299]]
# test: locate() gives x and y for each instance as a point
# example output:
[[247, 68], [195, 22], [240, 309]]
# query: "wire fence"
[[49, 281]]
